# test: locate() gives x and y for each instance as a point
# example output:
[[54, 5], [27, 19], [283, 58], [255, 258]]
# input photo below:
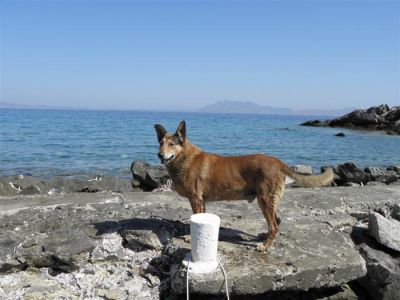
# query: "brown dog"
[[203, 177]]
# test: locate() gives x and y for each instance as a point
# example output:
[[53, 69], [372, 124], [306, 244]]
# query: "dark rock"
[[385, 231], [349, 172], [340, 134], [378, 174], [383, 278], [317, 123], [374, 118], [396, 212], [150, 177]]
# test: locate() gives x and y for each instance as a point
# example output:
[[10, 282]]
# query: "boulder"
[[380, 117], [349, 172], [385, 231], [378, 174], [150, 177], [383, 277], [340, 134], [358, 117]]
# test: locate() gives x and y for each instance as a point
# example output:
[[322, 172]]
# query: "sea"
[[46, 143]]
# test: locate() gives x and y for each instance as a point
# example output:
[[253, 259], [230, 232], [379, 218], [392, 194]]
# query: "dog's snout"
[[159, 155]]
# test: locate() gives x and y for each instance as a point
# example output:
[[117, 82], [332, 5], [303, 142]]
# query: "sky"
[[182, 55]]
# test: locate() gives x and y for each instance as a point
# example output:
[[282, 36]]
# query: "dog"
[[202, 177]]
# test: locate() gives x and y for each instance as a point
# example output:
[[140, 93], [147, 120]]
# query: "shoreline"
[[147, 177]]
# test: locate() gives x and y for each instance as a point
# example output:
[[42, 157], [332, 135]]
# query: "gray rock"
[[307, 170], [84, 245], [150, 177], [378, 174], [349, 172], [394, 168], [6, 189], [385, 231], [142, 234], [383, 278], [340, 134], [375, 183]]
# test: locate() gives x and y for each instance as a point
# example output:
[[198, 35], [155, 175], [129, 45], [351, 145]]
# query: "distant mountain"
[[248, 107], [243, 107]]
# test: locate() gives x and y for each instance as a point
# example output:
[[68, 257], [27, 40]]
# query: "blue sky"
[[182, 55]]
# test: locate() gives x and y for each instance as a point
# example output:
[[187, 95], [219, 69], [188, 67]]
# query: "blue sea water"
[[68, 142]]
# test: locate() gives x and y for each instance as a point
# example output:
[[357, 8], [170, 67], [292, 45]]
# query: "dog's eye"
[[171, 144]]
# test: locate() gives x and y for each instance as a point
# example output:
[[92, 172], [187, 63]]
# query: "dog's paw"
[[261, 247], [187, 238]]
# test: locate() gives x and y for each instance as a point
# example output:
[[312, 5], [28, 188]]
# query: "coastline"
[[147, 177]]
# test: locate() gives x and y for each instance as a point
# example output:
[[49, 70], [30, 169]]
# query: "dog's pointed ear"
[[181, 131], [160, 131]]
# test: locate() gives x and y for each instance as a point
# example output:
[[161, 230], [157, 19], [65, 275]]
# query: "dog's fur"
[[203, 177]]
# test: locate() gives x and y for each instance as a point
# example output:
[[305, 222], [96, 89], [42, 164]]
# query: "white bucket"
[[204, 230]]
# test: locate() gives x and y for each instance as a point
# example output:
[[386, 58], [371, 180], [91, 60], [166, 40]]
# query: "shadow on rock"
[[143, 234]]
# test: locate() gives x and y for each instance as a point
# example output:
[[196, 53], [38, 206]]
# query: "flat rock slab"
[[65, 234], [385, 231]]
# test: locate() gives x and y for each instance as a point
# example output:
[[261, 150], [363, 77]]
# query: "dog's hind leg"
[[268, 202]]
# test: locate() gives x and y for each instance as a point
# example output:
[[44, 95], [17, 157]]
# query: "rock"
[[341, 134], [394, 168], [378, 174], [352, 184], [375, 183], [374, 118], [83, 245], [358, 117], [307, 170], [396, 212], [150, 177], [385, 231], [383, 278], [6, 188], [349, 172], [317, 123], [142, 234], [107, 183]]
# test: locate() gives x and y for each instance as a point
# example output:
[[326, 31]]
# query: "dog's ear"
[[160, 131], [181, 131]]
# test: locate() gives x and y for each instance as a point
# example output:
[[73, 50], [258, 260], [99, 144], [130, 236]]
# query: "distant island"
[[224, 107], [248, 107]]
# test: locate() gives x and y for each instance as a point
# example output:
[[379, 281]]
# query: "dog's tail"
[[322, 179]]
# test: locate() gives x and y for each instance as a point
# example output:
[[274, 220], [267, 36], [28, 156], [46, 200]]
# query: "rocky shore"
[[146, 177], [334, 243], [382, 118], [103, 237]]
